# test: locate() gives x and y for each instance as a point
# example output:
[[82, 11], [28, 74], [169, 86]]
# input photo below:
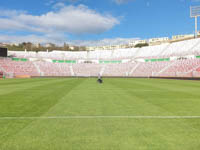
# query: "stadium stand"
[[18, 68], [52, 69], [1, 74], [87, 69], [177, 59]]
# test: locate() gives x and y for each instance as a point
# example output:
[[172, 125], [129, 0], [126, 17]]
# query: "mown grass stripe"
[[100, 117]]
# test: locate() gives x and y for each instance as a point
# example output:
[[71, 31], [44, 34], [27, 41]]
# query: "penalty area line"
[[100, 117]]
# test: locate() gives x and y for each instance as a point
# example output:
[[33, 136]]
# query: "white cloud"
[[103, 42], [60, 39], [53, 2], [68, 19], [57, 39], [58, 5], [56, 25], [194, 0], [121, 1], [10, 13]]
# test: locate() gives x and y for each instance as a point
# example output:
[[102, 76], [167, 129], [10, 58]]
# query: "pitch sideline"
[[100, 117]]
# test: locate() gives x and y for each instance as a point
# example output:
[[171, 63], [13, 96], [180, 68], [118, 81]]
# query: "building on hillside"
[[71, 47], [36, 45], [89, 48], [156, 41], [181, 37], [48, 45], [110, 47], [15, 44], [134, 43], [114, 47], [3, 44]]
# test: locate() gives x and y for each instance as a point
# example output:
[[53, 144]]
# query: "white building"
[[90, 48], [134, 43], [71, 47], [180, 37], [37, 45], [158, 40], [48, 45], [15, 44]]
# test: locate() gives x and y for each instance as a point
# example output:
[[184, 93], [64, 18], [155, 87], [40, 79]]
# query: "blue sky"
[[88, 21]]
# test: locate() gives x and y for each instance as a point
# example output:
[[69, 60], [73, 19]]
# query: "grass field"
[[79, 114]]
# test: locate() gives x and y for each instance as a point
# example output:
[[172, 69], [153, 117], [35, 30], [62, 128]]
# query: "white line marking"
[[121, 90], [100, 117]]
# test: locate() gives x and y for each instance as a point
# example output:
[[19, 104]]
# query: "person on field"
[[99, 79]]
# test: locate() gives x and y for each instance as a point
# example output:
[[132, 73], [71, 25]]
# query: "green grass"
[[84, 97]]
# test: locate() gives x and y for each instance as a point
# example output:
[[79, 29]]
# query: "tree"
[[29, 46], [82, 48], [66, 47], [141, 45]]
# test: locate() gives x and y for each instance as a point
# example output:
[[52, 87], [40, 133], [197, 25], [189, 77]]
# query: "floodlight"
[[195, 13]]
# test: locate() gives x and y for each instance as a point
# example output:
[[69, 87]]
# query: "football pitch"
[[80, 114]]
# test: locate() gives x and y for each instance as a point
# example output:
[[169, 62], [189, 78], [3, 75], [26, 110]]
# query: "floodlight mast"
[[195, 13], [196, 32]]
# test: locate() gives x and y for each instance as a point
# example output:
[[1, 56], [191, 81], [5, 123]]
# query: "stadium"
[[177, 59], [149, 98]]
